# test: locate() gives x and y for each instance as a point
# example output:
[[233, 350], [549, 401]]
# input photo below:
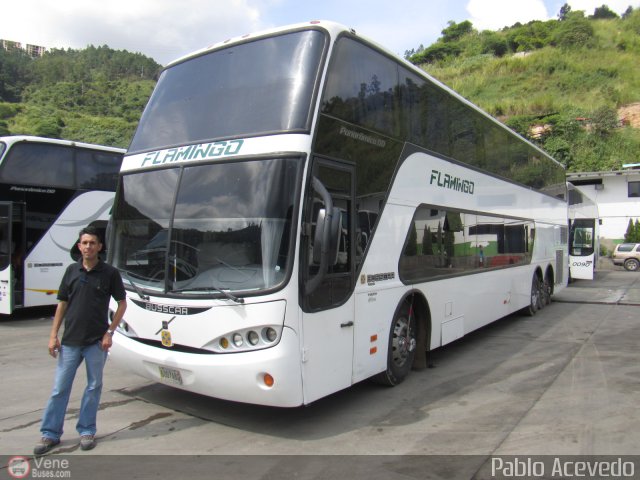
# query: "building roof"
[[634, 171]]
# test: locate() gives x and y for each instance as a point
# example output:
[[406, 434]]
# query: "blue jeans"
[[69, 359]]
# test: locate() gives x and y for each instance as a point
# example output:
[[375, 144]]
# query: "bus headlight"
[[269, 334], [245, 340], [237, 340], [253, 337]]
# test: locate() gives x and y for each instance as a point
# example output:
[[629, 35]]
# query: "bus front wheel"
[[401, 348]]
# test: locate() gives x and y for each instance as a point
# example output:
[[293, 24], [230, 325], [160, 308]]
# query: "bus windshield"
[[206, 228], [263, 86]]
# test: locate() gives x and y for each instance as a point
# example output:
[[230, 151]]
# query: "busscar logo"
[[444, 180], [169, 309]]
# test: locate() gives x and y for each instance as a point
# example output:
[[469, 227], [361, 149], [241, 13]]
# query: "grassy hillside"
[[576, 100], [93, 95]]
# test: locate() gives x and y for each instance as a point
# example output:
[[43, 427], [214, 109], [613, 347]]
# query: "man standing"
[[84, 295]]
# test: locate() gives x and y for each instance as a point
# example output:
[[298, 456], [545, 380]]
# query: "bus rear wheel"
[[547, 289], [535, 299], [401, 348]]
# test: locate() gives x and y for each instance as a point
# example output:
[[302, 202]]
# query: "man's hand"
[[107, 341], [54, 346]]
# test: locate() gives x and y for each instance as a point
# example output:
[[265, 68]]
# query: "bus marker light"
[[268, 380], [373, 350], [374, 338]]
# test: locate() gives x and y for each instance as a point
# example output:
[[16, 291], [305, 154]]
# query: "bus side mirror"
[[327, 245]]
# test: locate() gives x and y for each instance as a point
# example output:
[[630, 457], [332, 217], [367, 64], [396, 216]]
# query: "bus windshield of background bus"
[[263, 86], [229, 229]]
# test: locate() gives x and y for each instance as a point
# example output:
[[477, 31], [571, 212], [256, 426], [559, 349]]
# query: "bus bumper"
[[239, 377]]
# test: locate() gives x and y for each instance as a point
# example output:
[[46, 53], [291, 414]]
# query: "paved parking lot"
[[565, 382]]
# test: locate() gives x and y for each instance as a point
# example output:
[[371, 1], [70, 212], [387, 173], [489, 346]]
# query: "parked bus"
[[300, 210], [49, 190], [584, 244]]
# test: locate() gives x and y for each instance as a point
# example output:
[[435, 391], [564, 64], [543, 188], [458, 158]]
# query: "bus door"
[[583, 253], [12, 229], [327, 273]]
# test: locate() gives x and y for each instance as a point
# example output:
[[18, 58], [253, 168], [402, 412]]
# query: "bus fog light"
[[237, 340], [253, 338], [270, 334]]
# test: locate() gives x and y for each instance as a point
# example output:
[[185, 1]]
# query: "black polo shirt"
[[87, 295]]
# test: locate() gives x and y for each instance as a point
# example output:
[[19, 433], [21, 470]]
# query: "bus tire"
[[534, 297], [401, 348], [547, 289]]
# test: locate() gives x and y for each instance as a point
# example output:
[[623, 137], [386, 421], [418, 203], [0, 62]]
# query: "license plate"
[[170, 374]]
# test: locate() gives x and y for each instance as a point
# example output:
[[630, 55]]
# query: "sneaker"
[[45, 445], [87, 442]]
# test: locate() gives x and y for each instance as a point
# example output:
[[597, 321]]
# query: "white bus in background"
[[300, 210], [584, 244], [50, 189]]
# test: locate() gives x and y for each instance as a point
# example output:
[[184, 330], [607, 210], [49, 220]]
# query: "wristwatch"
[[110, 332]]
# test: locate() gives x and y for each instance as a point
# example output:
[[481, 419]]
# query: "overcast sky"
[[168, 29]]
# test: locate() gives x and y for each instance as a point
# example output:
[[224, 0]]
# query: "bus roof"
[[10, 140], [334, 29]]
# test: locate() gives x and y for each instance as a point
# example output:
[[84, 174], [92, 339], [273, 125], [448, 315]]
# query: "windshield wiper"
[[227, 294], [135, 287]]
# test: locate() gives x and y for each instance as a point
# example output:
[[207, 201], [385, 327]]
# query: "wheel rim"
[[535, 294], [631, 265], [403, 342], [546, 299]]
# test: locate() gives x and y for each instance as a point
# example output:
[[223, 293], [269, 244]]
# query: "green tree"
[[632, 235], [627, 12], [603, 12], [564, 12], [15, 74], [604, 121], [493, 43], [411, 249], [576, 31], [50, 127], [456, 30], [427, 242]]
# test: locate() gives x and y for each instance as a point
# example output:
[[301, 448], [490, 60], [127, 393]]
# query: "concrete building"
[[617, 194], [31, 50]]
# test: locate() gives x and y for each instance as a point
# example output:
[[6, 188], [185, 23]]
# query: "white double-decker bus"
[[300, 210], [49, 190]]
